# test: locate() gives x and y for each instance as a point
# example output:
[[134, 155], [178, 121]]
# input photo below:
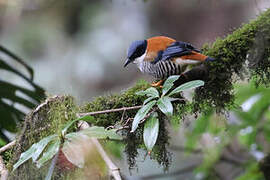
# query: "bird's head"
[[136, 50]]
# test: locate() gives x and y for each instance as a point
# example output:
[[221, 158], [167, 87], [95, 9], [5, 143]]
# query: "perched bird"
[[162, 57]]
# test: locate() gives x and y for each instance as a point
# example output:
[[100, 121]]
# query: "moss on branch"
[[248, 44], [47, 119]]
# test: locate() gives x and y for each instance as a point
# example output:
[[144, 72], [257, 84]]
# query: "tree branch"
[[109, 111], [7, 146]]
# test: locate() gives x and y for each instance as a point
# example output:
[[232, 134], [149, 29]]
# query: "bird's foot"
[[158, 84]]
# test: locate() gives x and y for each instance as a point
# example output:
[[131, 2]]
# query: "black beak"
[[127, 62]]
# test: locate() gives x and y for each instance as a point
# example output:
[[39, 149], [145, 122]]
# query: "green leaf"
[[169, 84], [150, 132], [150, 92], [148, 100], [165, 105], [95, 132], [75, 142], [49, 153], [73, 150], [40, 146], [101, 133], [111, 134], [25, 156], [188, 85], [259, 108], [141, 114], [84, 118]]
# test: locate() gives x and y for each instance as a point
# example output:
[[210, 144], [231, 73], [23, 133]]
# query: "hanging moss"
[[132, 142]]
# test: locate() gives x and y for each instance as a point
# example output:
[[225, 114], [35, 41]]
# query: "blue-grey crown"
[[137, 49]]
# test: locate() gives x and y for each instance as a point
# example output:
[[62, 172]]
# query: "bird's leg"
[[158, 84]]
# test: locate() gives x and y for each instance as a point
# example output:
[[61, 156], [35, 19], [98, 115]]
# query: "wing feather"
[[178, 49]]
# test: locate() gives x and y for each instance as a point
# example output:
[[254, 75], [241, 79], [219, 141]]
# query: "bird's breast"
[[160, 70]]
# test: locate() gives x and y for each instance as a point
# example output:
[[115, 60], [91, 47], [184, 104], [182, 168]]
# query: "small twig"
[[108, 111], [118, 109], [127, 121], [114, 170], [3, 170], [7, 146]]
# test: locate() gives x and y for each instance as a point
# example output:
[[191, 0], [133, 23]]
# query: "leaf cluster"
[[44, 150], [163, 103]]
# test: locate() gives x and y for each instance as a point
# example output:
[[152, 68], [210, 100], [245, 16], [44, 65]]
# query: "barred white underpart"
[[161, 69]]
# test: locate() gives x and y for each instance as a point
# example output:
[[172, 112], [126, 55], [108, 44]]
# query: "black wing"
[[176, 49]]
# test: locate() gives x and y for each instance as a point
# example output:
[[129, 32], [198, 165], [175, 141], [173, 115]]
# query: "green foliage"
[[47, 119], [11, 94], [84, 118], [150, 132], [95, 132], [186, 86], [250, 130], [40, 154], [252, 172], [150, 92], [53, 148], [141, 114], [168, 84], [164, 105]]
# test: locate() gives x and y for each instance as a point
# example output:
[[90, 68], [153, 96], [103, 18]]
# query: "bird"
[[162, 56]]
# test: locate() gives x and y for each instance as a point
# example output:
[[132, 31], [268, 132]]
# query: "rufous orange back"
[[158, 43]]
